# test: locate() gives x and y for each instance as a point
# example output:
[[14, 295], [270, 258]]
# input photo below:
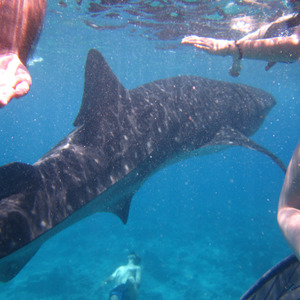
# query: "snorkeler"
[[20, 25], [289, 204], [127, 279], [278, 41]]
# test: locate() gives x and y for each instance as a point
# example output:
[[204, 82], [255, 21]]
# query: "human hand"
[[236, 67], [15, 80], [212, 46]]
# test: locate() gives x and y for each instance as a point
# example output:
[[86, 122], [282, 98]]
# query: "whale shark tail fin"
[[102, 89]]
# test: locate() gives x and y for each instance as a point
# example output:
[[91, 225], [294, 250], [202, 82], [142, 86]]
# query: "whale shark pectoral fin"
[[11, 265], [17, 177], [121, 209], [232, 137]]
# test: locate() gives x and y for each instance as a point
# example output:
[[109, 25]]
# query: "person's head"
[[134, 258], [294, 4]]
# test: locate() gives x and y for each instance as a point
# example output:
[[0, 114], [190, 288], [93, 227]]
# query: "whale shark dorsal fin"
[[102, 89], [232, 137]]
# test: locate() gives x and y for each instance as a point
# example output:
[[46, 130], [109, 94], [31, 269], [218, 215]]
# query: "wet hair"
[[136, 259]]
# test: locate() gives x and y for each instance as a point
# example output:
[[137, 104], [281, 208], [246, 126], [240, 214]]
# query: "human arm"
[[15, 80], [20, 24], [288, 216], [218, 47], [138, 277], [227, 47], [278, 49], [256, 45], [107, 280], [213, 46]]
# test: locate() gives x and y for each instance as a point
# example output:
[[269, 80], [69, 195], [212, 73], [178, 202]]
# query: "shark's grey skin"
[[121, 138]]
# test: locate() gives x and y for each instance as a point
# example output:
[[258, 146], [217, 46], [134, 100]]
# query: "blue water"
[[205, 227]]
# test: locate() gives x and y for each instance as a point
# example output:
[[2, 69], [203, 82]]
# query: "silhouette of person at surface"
[[289, 204], [278, 41], [20, 24], [127, 279]]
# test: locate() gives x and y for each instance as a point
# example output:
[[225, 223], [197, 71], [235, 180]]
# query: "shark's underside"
[[121, 138]]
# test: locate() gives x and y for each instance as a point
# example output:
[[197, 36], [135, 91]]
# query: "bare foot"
[[15, 80]]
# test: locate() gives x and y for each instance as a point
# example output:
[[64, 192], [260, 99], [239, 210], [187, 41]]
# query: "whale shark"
[[121, 137]]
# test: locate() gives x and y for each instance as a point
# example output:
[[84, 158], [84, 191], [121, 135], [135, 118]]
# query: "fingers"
[[5, 95], [22, 81], [16, 91], [193, 39], [234, 73], [202, 47], [15, 80], [8, 92], [197, 41], [21, 90]]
